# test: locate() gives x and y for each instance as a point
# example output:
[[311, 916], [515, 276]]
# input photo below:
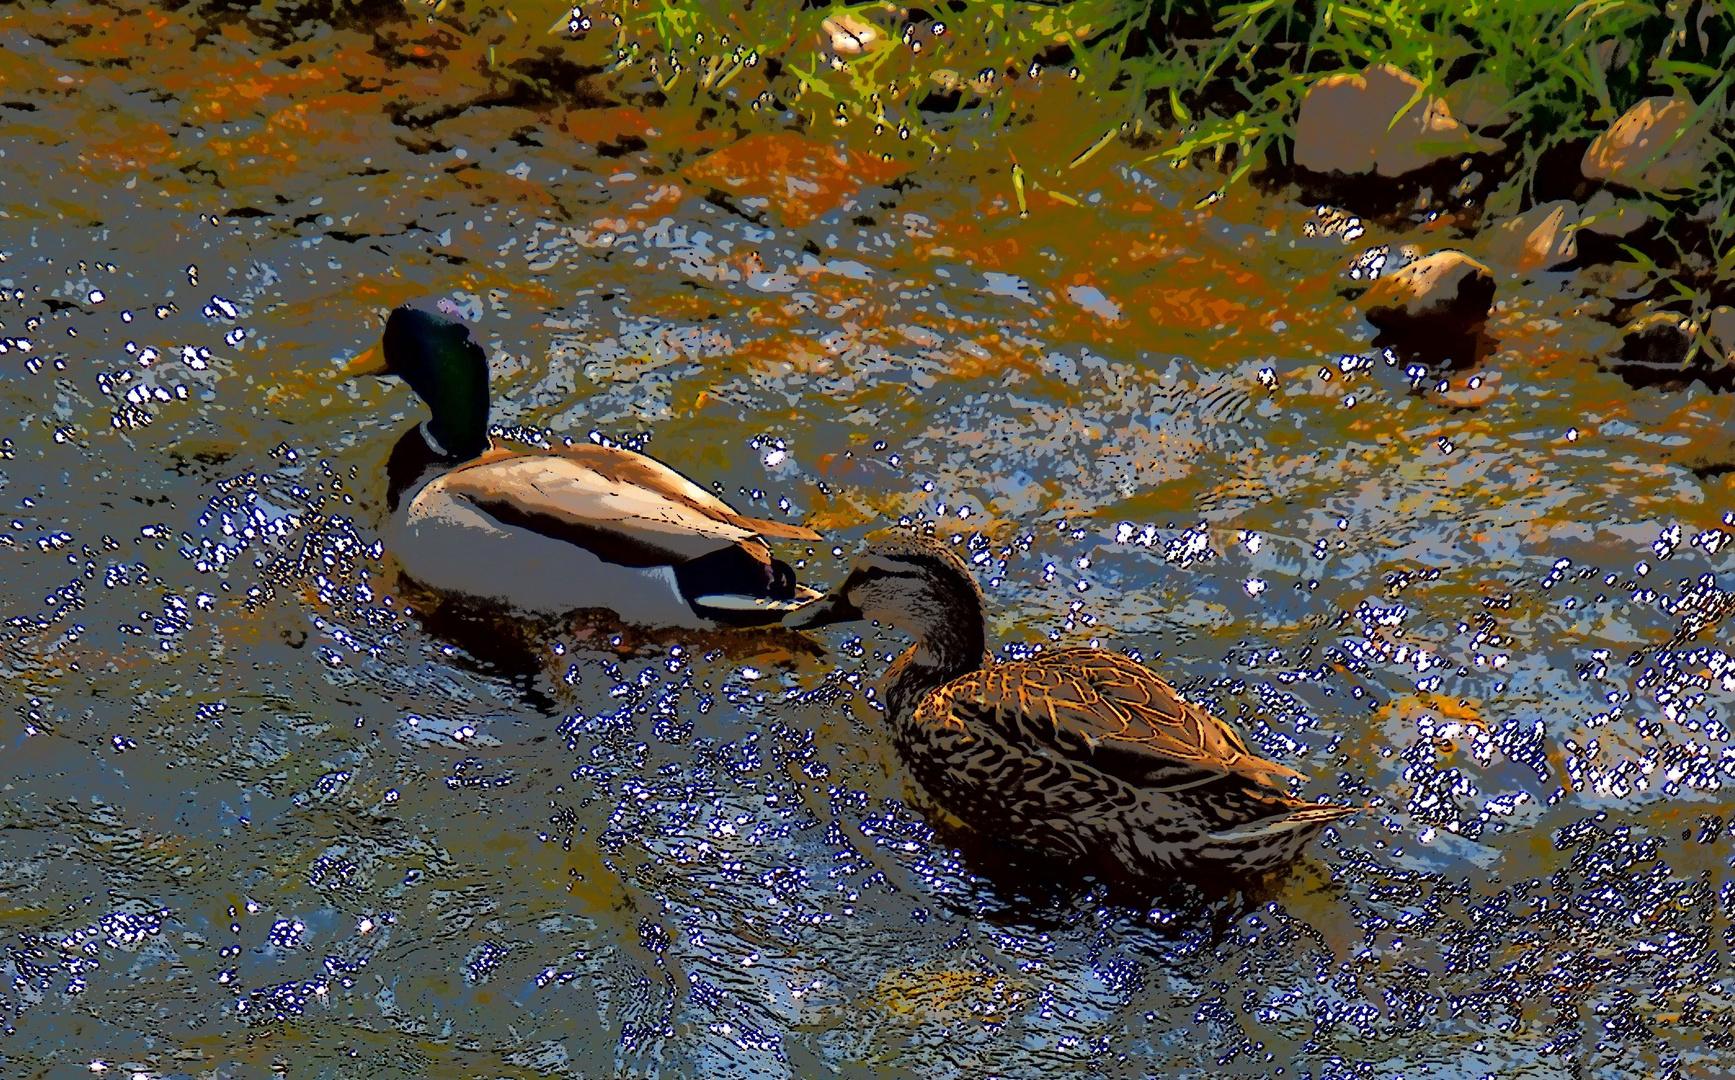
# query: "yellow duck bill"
[[371, 361]]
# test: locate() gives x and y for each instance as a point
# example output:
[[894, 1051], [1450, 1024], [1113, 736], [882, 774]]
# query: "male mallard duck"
[[1074, 752], [552, 531]]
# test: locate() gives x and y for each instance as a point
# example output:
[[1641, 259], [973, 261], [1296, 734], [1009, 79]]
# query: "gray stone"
[[1650, 148], [1606, 215], [1541, 238], [1346, 125], [1480, 100], [1720, 333]]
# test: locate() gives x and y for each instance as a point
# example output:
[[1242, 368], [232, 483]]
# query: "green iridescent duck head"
[[428, 345]]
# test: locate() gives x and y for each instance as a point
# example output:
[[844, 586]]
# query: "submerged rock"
[[1541, 238], [1659, 339], [1650, 148], [1346, 125], [1669, 349], [1447, 291], [1696, 435], [1468, 391], [800, 178]]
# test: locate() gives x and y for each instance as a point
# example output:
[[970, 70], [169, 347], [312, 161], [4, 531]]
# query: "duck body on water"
[[564, 529], [1075, 753]]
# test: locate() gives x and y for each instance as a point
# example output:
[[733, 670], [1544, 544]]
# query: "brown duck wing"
[[649, 474], [627, 508], [621, 522], [1105, 710]]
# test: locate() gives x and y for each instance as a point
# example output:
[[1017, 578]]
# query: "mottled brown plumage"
[[1108, 711], [1074, 752]]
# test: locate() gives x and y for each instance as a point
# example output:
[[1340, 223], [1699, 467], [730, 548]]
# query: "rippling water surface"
[[266, 810]]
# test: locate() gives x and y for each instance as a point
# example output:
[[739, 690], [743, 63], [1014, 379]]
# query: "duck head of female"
[[427, 345], [917, 585]]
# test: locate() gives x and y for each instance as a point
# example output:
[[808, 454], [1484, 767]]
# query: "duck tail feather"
[[1309, 816], [1269, 773]]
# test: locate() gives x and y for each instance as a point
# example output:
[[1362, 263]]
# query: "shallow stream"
[[267, 810]]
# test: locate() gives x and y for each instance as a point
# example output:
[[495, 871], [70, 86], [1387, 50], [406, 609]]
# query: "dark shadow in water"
[[495, 641], [1026, 888], [1672, 379], [1457, 185], [490, 641], [1657, 356], [1440, 347]]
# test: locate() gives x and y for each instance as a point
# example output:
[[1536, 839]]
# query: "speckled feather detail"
[[1106, 710], [1076, 751]]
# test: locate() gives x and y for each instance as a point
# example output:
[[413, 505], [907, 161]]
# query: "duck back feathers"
[[1110, 712], [1073, 752]]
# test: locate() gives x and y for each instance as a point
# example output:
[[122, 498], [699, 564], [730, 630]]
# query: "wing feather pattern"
[[1105, 710], [648, 474], [625, 507]]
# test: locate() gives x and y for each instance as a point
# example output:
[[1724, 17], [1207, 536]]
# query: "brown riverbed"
[[265, 809]]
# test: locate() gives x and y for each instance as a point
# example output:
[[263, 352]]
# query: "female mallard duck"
[[1075, 752], [552, 531]]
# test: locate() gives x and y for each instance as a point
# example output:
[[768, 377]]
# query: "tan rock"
[[1346, 125], [1650, 148], [848, 35], [1447, 290], [1606, 215], [1541, 238]]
